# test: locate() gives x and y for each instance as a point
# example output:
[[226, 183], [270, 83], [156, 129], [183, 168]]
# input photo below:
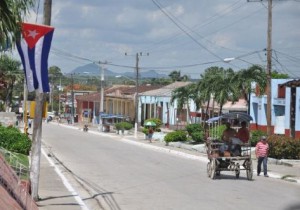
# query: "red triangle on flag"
[[33, 32]]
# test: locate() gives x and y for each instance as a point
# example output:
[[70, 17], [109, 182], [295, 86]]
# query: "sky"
[[185, 35]]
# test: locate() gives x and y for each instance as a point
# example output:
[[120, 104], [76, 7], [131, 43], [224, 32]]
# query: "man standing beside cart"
[[261, 151]]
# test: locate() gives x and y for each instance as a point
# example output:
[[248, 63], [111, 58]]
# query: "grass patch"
[[19, 163]]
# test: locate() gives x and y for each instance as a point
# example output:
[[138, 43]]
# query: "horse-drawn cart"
[[233, 160], [227, 161]]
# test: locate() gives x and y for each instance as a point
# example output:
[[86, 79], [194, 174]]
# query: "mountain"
[[94, 70], [146, 74]]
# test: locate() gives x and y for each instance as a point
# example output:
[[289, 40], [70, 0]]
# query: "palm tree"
[[11, 13], [245, 77], [220, 84], [182, 95], [225, 88]]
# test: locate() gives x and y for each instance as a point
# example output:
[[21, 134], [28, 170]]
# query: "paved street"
[[109, 172]]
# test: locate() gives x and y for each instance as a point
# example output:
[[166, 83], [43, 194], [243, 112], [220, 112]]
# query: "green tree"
[[176, 76], [277, 75], [219, 83], [11, 75], [11, 13], [245, 77], [55, 71], [183, 96]]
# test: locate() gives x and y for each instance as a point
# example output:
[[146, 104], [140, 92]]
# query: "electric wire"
[[284, 68], [206, 22], [183, 30]]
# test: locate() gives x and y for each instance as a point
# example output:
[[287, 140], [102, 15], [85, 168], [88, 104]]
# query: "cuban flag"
[[34, 50]]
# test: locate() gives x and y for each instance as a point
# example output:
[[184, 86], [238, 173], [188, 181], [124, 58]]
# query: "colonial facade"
[[157, 104], [285, 109], [119, 100]]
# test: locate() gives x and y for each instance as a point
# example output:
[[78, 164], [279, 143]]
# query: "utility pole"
[[59, 96], [37, 124], [25, 96], [136, 99], [269, 67], [72, 98], [101, 108], [136, 96]]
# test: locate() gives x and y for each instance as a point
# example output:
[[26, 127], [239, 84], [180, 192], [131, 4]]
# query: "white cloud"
[[105, 30]]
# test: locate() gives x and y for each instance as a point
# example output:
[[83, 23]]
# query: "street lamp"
[[136, 103], [72, 98], [227, 60]]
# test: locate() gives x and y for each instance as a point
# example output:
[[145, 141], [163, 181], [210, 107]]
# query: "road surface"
[[109, 173]]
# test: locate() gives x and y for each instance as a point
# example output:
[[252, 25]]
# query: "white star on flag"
[[32, 33]]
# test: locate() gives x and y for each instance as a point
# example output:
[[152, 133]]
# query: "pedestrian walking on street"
[[29, 122], [150, 134], [261, 151]]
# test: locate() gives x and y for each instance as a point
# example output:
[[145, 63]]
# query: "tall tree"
[[11, 13], [11, 75], [176, 76], [225, 88], [220, 84], [245, 77], [182, 96]]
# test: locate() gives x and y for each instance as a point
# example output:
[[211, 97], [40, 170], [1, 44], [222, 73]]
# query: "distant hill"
[[94, 70], [146, 74]]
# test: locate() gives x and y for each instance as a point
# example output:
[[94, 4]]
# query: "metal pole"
[[25, 107], [72, 98], [269, 66], [101, 97], [37, 124], [136, 96], [59, 97]]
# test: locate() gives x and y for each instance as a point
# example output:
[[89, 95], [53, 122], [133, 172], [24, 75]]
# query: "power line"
[[183, 30]]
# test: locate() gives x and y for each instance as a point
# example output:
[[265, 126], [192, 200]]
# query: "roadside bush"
[[118, 126], [123, 126], [198, 136], [175, 136], [282, 147], [145, 131], [126, 125], [191, 128], [156, 121], [255, 136], [15, 141]]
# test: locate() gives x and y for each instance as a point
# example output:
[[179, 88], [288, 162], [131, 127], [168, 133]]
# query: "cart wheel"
[[237, 170], [249, 170], [213, 168], [209, 168]]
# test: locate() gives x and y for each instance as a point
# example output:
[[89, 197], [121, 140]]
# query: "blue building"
[[285, 108]]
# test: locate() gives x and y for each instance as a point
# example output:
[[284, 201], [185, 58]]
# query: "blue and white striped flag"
[[34, 50]]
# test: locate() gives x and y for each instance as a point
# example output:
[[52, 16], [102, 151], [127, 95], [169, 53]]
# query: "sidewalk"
[[56, 194]]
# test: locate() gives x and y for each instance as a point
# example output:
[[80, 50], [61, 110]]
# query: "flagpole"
[[37, 124], [25, 107]]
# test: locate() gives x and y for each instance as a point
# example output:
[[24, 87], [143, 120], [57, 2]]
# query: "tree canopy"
[[11, 13]]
